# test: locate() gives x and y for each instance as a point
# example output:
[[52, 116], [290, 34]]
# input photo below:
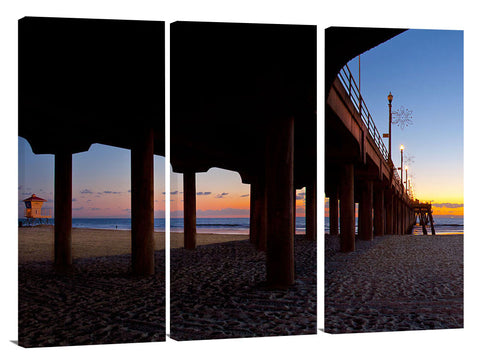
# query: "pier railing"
[[352, 89], [350, 85]]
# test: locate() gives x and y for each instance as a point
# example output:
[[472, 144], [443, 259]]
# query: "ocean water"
[[444, 225], [204, 225]]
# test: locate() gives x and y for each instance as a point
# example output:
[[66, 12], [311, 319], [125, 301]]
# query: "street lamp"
[[406, 179], [390, 98], [401, 165]]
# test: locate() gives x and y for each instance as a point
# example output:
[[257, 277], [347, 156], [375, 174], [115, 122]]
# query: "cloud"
[[224, 212], [78, 209], [85, 191], [111, 192], [204, 193], [222, 195], [95, 209], [212, 213], [176, 213], [159, 213], [448, 205], [245, 195], [128, 210], [74, 199]]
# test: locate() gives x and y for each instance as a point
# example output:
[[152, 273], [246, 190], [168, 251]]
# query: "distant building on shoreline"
[[34, 211]]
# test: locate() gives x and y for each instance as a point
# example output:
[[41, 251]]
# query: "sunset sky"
[[101, 185], [423, 69]]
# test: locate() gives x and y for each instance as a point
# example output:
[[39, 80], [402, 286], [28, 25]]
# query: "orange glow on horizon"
[[440, 209]]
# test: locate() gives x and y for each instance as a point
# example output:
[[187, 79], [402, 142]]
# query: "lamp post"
[[406, 179], [401, 165], [390, 98]]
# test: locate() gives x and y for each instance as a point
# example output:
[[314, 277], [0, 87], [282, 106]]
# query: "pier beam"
[[366, 206], [378, 211], [333, 213], [63, 210], [280, 202], [311, 211], [347, 209], [189, 210], [143, 260]]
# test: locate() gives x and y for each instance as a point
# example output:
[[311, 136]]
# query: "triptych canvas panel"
[[231, 189]]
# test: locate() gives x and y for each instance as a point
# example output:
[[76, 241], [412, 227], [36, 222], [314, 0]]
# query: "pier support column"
[[260, 214], [410, 220], [394, 212], [379, 213], [189, 210], [399, 217], [143, 260], [366, 206], [402, 216], [333, 213], [395, 215], [253, 217], [63, 209], [388, 194], [280, 202], [347, 209], [311, 211]]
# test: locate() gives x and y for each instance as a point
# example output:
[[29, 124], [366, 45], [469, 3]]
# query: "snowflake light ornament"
[[402, 117]]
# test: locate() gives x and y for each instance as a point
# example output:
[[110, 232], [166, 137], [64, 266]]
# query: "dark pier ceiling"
[[230, 83], [84, 81], [342, 44]]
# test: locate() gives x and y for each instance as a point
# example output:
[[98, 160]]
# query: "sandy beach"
[[36, 243], [217, 291], [394, 283]]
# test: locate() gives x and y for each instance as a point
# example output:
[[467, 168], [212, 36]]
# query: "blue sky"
[[423, 69]]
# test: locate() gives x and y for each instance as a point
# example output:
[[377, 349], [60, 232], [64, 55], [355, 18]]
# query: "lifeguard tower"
[[34, 212]]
